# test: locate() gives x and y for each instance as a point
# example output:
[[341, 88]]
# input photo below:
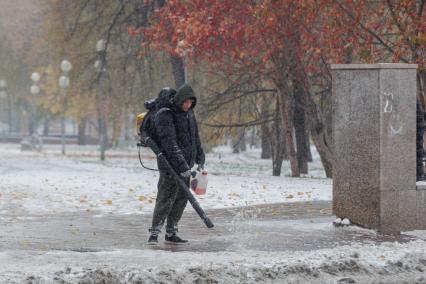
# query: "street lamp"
[[64, 83], [3, 93], [34, 90], [3, 86], [100, 66]]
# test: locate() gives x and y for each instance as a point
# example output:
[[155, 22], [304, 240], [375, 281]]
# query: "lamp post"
[[100, 67], [64, 83], [35, 90], [3, 93]]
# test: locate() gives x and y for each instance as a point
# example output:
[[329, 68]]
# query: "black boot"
[[153, 239], [174, 239]]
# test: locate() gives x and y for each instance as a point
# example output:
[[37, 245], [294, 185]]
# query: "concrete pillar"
[[374, 136]]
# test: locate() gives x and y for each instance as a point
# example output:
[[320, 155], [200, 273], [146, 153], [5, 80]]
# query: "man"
[[178, 139]]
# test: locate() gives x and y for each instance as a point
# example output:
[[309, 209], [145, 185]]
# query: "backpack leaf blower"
[[181, 183]]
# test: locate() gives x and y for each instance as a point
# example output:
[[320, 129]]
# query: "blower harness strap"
[[140, 159]]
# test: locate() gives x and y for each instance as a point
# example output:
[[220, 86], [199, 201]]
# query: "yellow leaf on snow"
[[142, 198], [290, 196], [109, 201]]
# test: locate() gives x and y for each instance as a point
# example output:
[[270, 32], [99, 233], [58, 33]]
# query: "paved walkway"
[[278, 227]]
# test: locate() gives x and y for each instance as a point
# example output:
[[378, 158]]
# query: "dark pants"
[[170, 204]]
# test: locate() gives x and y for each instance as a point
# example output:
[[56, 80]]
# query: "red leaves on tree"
[[270, 31]]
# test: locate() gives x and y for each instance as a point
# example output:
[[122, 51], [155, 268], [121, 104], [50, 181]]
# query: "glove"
[[200, 167], [186, 174]]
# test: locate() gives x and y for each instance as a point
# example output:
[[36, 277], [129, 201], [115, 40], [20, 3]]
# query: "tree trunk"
[[127, 125], [102, 118], [46, 125], [328, 167], [253, 137], [239, 142], [300, 131], [103, 135], [308, 141], [116, 128], [81, 140], [178, 70], [9, 114], [287, 117], [266, 138], [266, 143], [278, 145], [320, 127], [277, 141], [321, 141], [278, 152], [243, 142]]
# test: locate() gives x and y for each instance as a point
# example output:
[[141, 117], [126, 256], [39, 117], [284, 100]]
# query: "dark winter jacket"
[[177, 132]]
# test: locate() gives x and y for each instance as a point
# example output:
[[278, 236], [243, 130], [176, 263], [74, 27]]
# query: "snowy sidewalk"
[[72, 219], [267, 227], [277, 227], [73, 247], [34, 183]]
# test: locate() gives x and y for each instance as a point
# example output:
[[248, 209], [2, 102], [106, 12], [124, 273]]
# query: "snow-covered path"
[[248, 245], [387, 263], [45, 183], [75, 220]]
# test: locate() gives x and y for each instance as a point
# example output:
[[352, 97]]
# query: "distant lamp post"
[[3, 86], [100, 66], [64, 83], [34, 90], [3, 93]]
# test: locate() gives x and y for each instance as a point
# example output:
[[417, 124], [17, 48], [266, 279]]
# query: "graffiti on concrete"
[[389, 102], [391, 109]]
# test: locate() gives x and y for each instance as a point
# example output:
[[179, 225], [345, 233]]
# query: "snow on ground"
[[386, 263], [33, 183]]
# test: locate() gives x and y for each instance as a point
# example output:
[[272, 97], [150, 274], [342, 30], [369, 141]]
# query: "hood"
[[183, 93]]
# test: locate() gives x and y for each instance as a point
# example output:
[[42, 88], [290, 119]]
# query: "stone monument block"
[[374, 136]]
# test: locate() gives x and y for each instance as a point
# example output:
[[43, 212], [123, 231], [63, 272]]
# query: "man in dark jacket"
[[178, 139]]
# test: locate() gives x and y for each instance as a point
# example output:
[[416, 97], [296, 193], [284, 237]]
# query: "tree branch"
[[372, 33], [244, 124]]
